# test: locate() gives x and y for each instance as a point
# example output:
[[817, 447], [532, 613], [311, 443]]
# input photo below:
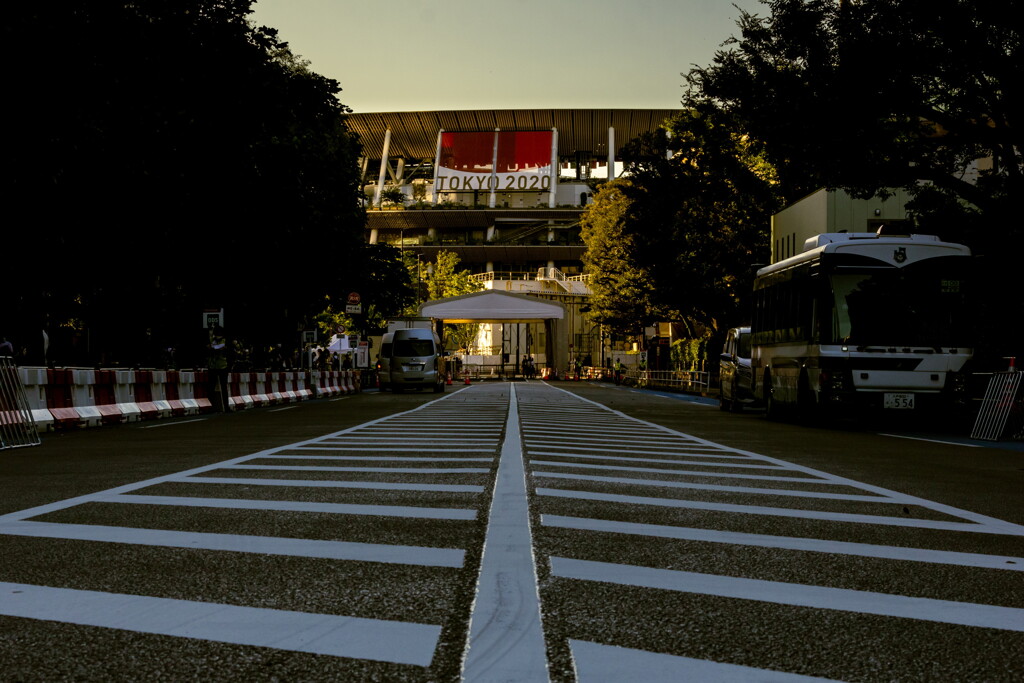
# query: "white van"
[[416, 361], [384, 362]]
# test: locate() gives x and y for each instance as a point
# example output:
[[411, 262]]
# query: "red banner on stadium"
[[467, 161]]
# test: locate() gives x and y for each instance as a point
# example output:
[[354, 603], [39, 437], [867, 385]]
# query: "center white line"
[[506, 637]]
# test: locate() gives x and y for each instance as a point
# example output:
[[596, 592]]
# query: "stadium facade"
[[504, 190]]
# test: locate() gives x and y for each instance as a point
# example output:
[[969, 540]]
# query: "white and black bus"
[[863, 319]]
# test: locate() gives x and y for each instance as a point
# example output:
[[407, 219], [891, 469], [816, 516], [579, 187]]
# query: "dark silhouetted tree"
[[167, 157]]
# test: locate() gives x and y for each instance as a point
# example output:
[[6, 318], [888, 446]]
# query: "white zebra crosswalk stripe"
[[596, 662], [590, 475], [789, 543], [819, 597], [324, 634], [376, 459]]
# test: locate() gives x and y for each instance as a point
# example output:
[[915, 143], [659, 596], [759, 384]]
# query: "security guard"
[[217, 364]]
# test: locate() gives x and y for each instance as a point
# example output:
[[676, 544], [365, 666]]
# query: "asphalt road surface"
[[510, 532]]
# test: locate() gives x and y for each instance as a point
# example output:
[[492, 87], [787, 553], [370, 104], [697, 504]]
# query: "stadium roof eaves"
[[414, 133]]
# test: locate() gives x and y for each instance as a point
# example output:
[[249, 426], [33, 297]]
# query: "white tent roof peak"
[[493, 307]]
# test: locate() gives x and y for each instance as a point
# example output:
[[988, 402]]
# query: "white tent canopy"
[[501, 307], [339, 344], [493, 307]]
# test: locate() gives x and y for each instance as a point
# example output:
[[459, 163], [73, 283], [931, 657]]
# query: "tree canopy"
[[677, 239], [168, 157], [862, 95], [876, 94], [445, 279], [442, 280], [869, 95]]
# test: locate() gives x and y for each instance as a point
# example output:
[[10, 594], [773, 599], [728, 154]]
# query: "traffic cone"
[[467, 378], [449, 382]]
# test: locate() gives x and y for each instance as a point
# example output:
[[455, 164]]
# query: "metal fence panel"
[[683, 380], [17, 428], [996, 406]]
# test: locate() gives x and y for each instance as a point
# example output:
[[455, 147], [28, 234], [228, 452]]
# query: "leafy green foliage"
[[677, 240], [393, 195], [622, 291], [444, 280], [331, 317], [690, 353]]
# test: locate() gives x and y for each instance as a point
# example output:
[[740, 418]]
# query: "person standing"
[[618, 371], [217, 365]]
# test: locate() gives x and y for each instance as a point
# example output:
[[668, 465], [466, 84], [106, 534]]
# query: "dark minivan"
[[734, 371]]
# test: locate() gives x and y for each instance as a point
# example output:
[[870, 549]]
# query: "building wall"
[[827, 211], [790, 227]]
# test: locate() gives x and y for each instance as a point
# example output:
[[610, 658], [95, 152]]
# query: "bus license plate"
[[898, 401]]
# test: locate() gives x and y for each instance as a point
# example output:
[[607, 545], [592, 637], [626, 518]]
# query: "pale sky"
[[426, 55]]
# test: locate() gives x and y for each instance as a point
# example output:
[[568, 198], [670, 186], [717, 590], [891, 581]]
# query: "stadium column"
[[437, 164], [554, 168], [611, 153], [492, 201], [383, 168]]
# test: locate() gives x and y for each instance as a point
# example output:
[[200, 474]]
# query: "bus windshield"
[[919, 305]]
